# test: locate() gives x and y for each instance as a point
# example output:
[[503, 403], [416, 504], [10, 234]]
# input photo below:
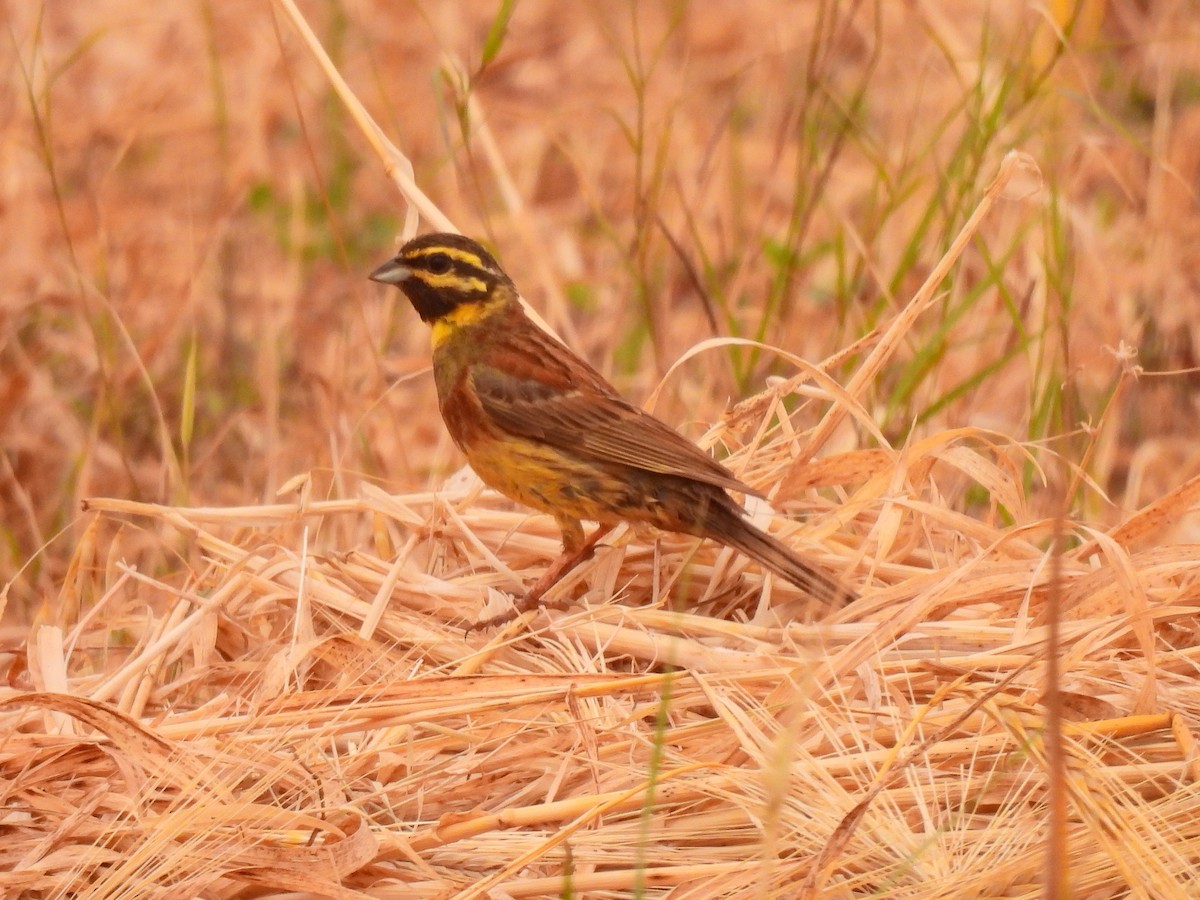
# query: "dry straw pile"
[[322, 722], [287, 699]]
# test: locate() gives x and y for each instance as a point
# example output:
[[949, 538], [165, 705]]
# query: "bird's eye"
[[438, 263]]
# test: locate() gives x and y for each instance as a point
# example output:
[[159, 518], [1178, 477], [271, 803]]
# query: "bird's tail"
[[731, 528]]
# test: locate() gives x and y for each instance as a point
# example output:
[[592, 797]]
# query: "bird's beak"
[[391, 272]]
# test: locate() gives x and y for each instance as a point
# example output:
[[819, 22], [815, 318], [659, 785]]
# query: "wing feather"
[[582, 414]]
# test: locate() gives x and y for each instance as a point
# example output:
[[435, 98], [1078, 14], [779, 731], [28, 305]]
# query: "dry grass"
[[217, 690], [320, 721]]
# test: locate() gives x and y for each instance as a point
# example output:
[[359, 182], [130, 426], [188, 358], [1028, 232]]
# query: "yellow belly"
[[538, 476]]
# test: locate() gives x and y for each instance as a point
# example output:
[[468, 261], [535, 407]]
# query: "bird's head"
[[447, 275]]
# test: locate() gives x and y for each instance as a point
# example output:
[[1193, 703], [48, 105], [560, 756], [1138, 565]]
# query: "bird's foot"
[[533, 597]]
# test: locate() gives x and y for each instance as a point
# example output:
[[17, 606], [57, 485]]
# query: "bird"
[[540, 425]]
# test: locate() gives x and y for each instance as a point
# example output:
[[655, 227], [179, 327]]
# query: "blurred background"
[[189, 216]]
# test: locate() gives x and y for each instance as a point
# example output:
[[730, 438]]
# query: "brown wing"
[[544, 394]]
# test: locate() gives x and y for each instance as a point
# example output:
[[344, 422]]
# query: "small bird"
[[540, 425]]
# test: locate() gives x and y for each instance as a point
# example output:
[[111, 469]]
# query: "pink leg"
[[568, 560]]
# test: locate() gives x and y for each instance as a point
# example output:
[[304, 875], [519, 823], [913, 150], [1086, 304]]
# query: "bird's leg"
[[576, 549]]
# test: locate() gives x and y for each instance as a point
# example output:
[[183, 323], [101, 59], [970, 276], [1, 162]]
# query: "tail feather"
[[733, 530]]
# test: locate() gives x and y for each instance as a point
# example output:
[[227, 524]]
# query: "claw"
[[533, 597]]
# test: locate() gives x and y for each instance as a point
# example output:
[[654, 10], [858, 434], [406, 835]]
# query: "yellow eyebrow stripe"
[[453, 252]]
